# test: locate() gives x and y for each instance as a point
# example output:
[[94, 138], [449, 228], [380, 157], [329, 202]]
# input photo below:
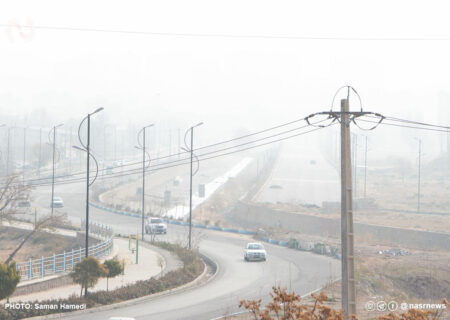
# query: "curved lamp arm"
[[196, 159], [148, 155], [95, 160], [79, 132]]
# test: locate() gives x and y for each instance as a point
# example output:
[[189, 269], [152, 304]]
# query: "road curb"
[[182, 288]]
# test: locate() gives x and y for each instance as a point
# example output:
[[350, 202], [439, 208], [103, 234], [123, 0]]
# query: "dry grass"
[[40, 244]]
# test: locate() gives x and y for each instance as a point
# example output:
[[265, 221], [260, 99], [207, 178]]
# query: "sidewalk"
[[147, 267]]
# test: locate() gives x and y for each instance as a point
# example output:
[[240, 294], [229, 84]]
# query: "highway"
[[301, 175], [236, 279]]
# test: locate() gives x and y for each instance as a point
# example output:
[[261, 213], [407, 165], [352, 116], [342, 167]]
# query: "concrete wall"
[[257, 216], [43, 285]]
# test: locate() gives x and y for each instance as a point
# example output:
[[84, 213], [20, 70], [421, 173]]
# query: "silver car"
[[57, 202], [255, 251]]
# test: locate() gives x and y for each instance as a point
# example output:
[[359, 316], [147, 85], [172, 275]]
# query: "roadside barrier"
[[64, 262], [302, 245], [177, 222]]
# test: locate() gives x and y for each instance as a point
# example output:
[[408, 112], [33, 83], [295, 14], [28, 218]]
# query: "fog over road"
[[301, 175], [236, 279]]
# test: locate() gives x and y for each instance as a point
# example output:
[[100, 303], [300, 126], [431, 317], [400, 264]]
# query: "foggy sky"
[[228, 83]]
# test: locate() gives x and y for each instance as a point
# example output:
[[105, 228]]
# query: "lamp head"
[[98, 110]]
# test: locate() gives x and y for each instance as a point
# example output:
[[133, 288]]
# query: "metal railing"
[[66, 261]]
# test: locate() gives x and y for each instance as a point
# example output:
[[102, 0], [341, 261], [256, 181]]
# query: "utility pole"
[[347, 234], [53, 167], [24, 153], [7, 155], [170, 141], [143, 190], [355, 159], [418, 182], [115, 143], [179, 142], [190, 191], [70, 150], [365, 169], [40, 152], [345, 117]]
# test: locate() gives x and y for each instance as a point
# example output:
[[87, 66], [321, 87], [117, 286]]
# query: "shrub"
[[113, 268], [286, 306], [191, 269], [9, 278], [87, 272]]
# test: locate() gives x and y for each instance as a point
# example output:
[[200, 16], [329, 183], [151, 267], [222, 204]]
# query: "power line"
[[204, 147], [224, 35], [174, 164], [404, 126], [413, 122]]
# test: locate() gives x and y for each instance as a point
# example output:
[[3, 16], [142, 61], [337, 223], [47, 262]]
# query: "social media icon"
[[392, 306], [381, 306], [404, 306], [370, 306]]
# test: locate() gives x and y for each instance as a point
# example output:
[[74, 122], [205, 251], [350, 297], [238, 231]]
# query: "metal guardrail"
[[64, 262]]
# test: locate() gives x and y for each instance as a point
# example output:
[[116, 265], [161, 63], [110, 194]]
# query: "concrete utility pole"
[[345, 117], [355, 158], [347, 234], [365, 169]]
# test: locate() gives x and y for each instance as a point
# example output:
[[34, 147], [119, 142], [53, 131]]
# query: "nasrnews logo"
[[38, 306], [393, 306]]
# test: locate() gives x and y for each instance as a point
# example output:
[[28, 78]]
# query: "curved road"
[[236, 279]]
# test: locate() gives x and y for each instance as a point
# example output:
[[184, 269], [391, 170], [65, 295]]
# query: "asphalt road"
[[301, 175], [236, 279]]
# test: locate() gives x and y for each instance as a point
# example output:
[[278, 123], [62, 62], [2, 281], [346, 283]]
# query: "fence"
[[60, 263]]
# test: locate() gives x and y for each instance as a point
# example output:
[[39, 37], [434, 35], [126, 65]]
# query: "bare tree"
[[10, 193]]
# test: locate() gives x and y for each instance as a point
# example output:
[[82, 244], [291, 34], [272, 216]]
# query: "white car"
[[57, 202], [255, 251], [155, 226]]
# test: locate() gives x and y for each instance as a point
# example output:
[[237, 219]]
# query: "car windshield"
[[156, 221], [255, 246]]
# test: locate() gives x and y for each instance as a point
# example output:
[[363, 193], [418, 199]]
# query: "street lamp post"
[[88, 151], [143, 173], [190, 182], [53, 166]]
